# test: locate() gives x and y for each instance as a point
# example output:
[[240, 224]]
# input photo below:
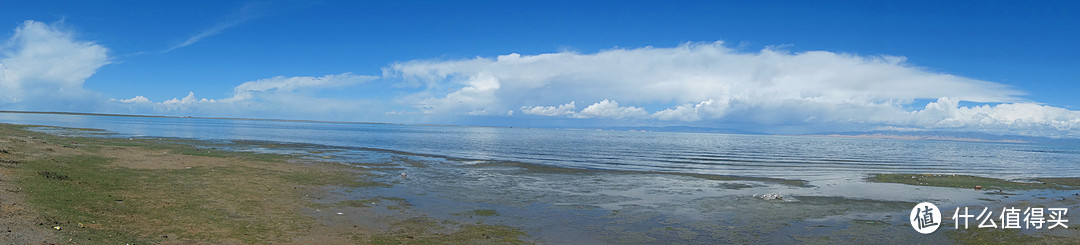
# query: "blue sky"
[[776, 66]]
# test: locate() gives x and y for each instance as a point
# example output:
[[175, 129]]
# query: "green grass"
[[87, 196], [966, 181], [253, 199], [1009, 236], [396, 203], [1067, 183], [123, 205], [423, 230], [482, 212], [359, 203], [177, 146]]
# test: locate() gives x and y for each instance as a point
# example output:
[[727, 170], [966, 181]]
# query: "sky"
[[999, 67]]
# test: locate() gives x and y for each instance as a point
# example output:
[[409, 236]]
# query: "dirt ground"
[[19, 224]]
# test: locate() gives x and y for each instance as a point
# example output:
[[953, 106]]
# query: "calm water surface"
[[797, 157]]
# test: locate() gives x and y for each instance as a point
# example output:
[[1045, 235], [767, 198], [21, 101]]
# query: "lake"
[[591, 186]]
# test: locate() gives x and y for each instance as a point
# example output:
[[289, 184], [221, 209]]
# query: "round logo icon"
[[925, 218]]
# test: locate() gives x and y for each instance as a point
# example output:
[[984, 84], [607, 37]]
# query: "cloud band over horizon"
[[699, 83]]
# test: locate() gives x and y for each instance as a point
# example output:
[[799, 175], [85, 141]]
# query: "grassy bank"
[[117, 191], [967, 181]]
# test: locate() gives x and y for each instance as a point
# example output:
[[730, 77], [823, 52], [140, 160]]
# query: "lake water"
[[796, 157], [560, 199]]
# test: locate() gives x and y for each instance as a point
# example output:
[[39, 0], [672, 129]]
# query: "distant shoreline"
[[229, 118], [628, 129], [917, 137]]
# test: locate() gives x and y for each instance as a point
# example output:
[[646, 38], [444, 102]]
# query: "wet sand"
[[150, 190]]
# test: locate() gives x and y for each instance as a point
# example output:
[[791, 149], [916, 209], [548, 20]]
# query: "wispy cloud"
[[247, 12]]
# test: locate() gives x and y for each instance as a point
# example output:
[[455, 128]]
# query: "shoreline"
[[100, 190], [232, 118], [917, 137], [377, 206]]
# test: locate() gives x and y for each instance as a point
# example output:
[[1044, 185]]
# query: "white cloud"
[[711, 82], [45, 62], [134, 100], [175, 104], [692, 73], [44, 67], [565, 109], [277, 97], [281, 84], [692, 112], [247, 12], [477, 96], [611, 109], [1023, 118]]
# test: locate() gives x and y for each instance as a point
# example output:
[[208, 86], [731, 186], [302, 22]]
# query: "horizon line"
[[236, 118]]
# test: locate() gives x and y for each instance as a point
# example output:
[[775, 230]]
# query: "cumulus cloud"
[[43, 66], [134, 100], [477, 96], [565, 109], [709, 82], [693, 73], [1022, 118], [692, 112], [42, 61], [611, 109]]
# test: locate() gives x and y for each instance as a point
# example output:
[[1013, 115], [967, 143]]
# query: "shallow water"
[[577, 187]]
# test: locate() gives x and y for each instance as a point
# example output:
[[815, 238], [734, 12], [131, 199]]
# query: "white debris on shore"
[[776, 197], [770, 196]]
